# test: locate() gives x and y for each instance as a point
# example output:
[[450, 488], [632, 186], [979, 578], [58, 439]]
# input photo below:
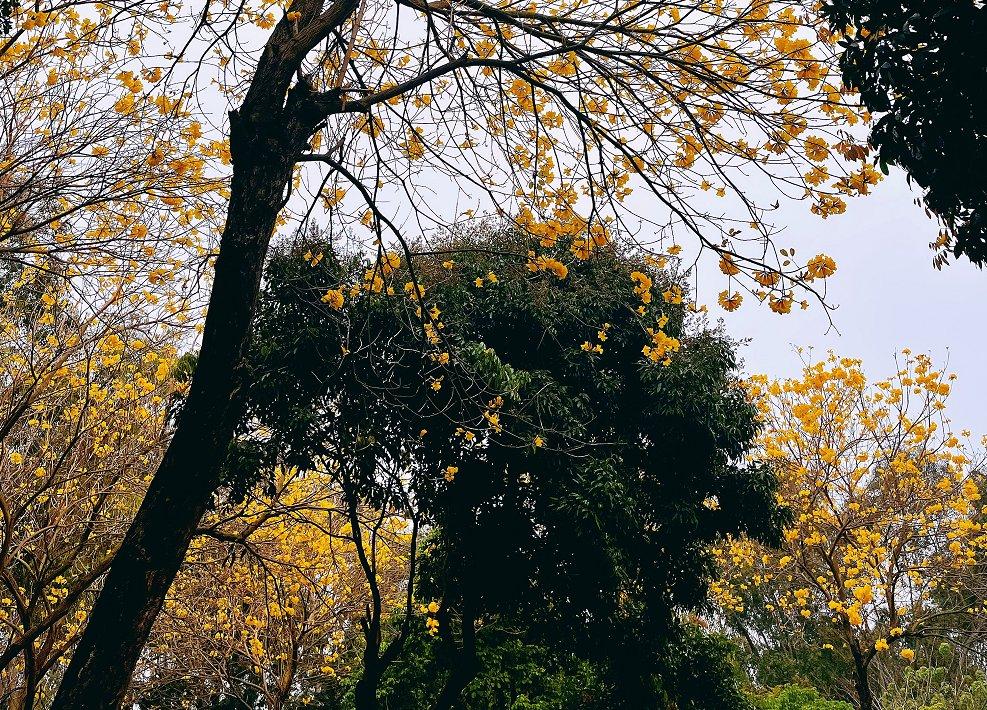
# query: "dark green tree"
[[570, 483], [921, 68]]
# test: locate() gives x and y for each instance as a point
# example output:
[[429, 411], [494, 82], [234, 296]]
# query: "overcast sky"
[[889, 297]]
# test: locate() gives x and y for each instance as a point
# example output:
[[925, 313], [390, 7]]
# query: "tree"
[[942, 681], [513, 675], [264, 609], [566, 437], [519, 675], [84, 400], [920, 66], [795, 698], [887, 514], [550, 114]]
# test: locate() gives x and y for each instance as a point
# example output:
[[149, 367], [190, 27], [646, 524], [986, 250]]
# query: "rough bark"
[[267, 135]]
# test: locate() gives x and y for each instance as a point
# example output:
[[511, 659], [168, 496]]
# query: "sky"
[[889, 297]]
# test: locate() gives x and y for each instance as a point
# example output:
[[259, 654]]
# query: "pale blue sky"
[[889, 297]]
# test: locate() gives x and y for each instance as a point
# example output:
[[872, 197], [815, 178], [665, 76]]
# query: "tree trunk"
[[267, 135], [865, 698], [365, 693], [467, 664], [265, 140]]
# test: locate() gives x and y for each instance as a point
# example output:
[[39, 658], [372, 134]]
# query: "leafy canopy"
[[573, 437], [921, 65]]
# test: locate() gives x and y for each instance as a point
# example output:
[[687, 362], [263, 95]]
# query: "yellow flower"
[[908, 654], [820, 267], [816, 149], [334, 297], [727, 266], [781, 305], [673, 295], [881, 645], [450, 474], [643, 287], [864, 595], [730, 302], [16, 458], [539, 442], [766, 278]]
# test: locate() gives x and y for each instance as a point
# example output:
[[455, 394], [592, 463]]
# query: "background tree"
[[920, 66], [887, 515], [84, 399], [264, 609], [941, 678], [567, 438], [795, 698]]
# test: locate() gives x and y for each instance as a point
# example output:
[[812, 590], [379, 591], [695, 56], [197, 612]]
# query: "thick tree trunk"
[[865, 698], [365, 693], [467, 664], [267, 136], [264, 147]]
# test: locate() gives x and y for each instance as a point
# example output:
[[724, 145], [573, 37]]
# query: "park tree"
[[944, 676], [584, 123], [265, 608], [564, 441], [887, 509], [85, 391], [920, 68]]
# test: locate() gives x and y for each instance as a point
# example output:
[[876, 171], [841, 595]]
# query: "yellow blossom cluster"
[[275, 583], [85, 392], [886, 505]]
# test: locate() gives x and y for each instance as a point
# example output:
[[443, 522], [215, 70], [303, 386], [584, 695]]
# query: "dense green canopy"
[[570, 484], [921, 67]]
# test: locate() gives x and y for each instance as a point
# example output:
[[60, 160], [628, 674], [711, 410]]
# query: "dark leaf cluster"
[[921, 66]]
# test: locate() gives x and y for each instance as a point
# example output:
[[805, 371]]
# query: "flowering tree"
[[270, 597], [84, 397], [886, 507], [548, 425], [584, 123]]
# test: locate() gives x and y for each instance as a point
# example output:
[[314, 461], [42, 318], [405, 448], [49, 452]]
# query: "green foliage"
[[514, 675], [937, 687], [784, 654], [583, 508], [921, 65], [793, 697], [803, 663], [518, 675], [707, 673]]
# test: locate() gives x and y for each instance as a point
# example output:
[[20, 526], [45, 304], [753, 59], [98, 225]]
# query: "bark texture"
[[267, 134]]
